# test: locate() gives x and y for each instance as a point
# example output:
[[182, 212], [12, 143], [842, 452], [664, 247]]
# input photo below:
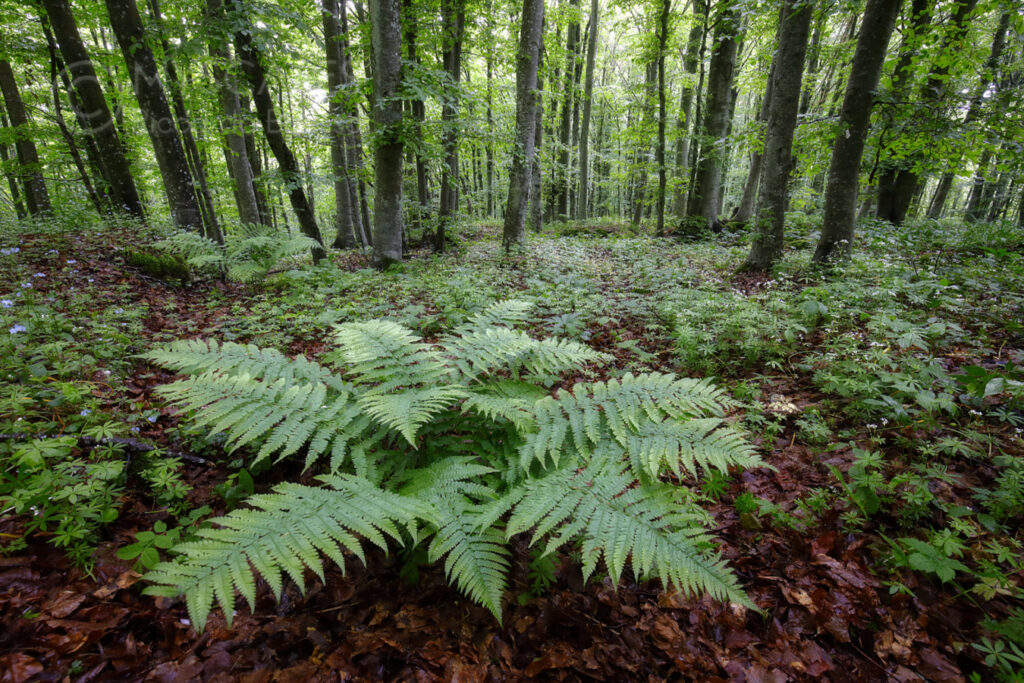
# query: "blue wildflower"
[[18, 328], [6, 303], [151, 418], [85, 411], [26, 285]]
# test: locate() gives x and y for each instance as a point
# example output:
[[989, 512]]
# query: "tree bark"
[[895, 195], [703, 202], [659, 153], [787, 73], [454, 20], [690, 64], [748, 202], [535, 216], [36, 197], [561, 176], [836, 239], [156, 112], [252, 67], [583, 209], [345, 236], [12, 179], [94, 110], [530, 37], [386, 27], [233, 127], [410, 28], [211, 227]]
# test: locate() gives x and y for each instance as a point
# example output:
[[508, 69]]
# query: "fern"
[[455, 446]]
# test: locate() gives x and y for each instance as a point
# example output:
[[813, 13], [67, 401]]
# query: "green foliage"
[[454, 445], [161, 266], [248, 256]]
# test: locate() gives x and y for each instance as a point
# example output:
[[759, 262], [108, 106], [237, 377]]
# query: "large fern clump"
[[458, 446]]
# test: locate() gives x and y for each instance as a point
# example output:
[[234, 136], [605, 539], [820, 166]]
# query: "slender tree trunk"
[[95, 112], [36, 197], [690, 64], [345, 237], [659, 154], [211, 228], [156, 112], [747, 203], [454, 20], [583, 210], [813, 55], [252, 67], [907, 180], [411, 31], [353, 137], [708, 181], [787, 72], [535, 216], [561, 175], [386, 27], [836, 239], [233, 128], [530, 38], [489, 150], [12, 179]]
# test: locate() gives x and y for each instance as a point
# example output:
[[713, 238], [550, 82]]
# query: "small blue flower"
[[71, 261], [119, 310], [85, 411], [9, 251], [26, 285], [39, 275], [135, 429], [151, 418], [6, 303], [18, 328]]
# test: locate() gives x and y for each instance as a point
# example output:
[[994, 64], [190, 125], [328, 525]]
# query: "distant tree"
[[36, 197], [530, 35], [836, 239], [787, 73], [160, 122], [124, 195], [388, 227]]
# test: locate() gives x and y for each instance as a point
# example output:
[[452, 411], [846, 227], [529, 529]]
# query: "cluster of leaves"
[[455, 446]]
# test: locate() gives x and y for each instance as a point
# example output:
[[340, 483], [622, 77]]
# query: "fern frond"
[[475, 559], [284, 414], [499, 314], [408, 410], [285, 532], [685, 445], [195, 356], [481, 352], [385, 353], [198, 251], [644, 526]]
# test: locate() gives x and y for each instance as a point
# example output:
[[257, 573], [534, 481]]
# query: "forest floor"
[[883, 544]]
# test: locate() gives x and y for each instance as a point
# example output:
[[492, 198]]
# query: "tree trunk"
[[561, 175], [938, 203], [836, 239], [747, 203], [659, 153], [489, 151], [36, 197], [530, 38], [211, 228], [583, 210], [353, 138], [787, 72], [345, 236], [12, 179], [703, 202], [252, 67], [386, 27], [905, 183], [454, 19], [690, 64], [95, 112], [156, 112], [233, 128], [535, 216], [411, 30]]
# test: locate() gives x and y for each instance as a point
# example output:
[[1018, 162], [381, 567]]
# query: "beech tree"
[[36, 197], [530, 34], [386, 25]]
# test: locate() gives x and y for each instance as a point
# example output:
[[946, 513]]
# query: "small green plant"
[[148, 544], [813, 430], [457, 447]]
